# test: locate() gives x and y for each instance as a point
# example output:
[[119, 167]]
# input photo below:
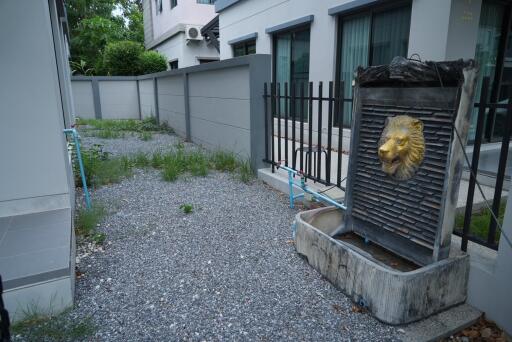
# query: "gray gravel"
[[131, 143], [225, 272]]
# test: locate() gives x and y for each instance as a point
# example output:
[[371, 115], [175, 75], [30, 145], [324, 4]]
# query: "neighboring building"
[[326, 40], [173, 27], [37, 247]]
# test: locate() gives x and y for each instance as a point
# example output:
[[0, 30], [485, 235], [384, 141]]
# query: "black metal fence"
[[294, 105], [5, 335], [484, 107]]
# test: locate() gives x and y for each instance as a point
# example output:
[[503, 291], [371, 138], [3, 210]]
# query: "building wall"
[[36, 200], [187, 12]]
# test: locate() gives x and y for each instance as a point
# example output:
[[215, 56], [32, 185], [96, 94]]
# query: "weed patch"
[[480, 222], [187, 208], [87, 221], [127, 125], [39, 327]]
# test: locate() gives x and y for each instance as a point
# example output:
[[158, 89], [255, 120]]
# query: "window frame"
[[245, 44], [210, 2], [371, 11], [171, 63], [173, 3]]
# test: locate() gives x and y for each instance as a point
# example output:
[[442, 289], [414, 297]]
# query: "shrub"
[[122, 58], [152, 61]]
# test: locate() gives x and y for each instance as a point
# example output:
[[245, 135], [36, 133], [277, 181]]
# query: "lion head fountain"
[[401, 147]]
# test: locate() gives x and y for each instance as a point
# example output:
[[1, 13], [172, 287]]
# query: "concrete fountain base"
[[392, 296]]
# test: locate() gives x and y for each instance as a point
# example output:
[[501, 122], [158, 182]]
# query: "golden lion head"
[[401, 146]]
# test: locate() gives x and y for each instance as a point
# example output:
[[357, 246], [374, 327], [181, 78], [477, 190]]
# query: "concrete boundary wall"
[[218, 105]]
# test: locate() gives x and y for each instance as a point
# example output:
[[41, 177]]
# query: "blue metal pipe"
[[291, 174], [76, 139]]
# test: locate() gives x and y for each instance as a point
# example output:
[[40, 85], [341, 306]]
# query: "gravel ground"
[[227, 271], [133, 144]]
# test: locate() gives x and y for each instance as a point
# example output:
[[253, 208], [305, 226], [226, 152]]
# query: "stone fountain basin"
[[392, 296]]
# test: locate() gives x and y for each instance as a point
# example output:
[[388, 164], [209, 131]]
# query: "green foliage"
[[81, 68], [245, 173], [100, 169], [128, 125], [87, 220], [170, 172], [145, 136], [92, 35], [122, 58], [39, 327], [141, 160], [187, 208], [224, 161], [480, 222], [135, 25], [78, 10], [152, 61]]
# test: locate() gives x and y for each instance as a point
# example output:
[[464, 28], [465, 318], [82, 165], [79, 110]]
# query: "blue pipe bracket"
[[76, 140], [302, 186]]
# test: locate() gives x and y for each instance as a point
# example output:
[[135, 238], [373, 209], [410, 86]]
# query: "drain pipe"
[[291, 174], [74, 133]]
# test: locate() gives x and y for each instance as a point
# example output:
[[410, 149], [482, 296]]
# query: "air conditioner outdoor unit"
[[193, 32]]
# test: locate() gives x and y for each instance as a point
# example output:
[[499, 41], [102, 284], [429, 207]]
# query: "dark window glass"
[[173, 65], [244, 48], [174, 3], [206, 2], [291, 60], [370, 38], [206, 60]]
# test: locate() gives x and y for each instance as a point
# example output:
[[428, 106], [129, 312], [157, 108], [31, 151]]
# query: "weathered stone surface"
[[391, 296]]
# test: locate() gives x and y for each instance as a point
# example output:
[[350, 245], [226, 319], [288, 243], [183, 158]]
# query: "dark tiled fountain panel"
[[410, 208]]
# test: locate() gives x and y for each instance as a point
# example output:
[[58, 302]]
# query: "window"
[[173, 64], [206, 2], [370, 38], [207, 60], [494, 55], [244, 48], [174, 3], [291, 60], [158, 6]]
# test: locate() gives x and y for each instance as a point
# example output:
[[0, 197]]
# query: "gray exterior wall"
[[37, 198], [218, 105]]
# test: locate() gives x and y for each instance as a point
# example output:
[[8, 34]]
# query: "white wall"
[[83, 98], [171, 102], [147, 98], [187, 53], [220, 110], [119, 99], [187, 12]]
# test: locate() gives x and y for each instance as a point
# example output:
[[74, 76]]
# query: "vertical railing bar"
[[319, 134], [500, 176], [278, 102], [286, 113], [302, 126], [337, 105], [265, 94], [474, 163], [293, 108], [272, 114], [310, 126], [329, 137]]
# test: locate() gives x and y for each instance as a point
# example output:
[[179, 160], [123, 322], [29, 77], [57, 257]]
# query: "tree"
[[152, 61], [122, 58], [77, 10], [91, 37]]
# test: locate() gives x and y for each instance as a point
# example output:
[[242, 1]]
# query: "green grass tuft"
[[127, 125], [245, 173], [224, 161], [145, 136], [39, 327], [141, 160], [480, 222], [170, 172], [187, 208], [87, 220]]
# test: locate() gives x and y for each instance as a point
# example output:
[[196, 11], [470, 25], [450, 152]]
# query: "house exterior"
[[326, 40], [172, 27], [37, 253]]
